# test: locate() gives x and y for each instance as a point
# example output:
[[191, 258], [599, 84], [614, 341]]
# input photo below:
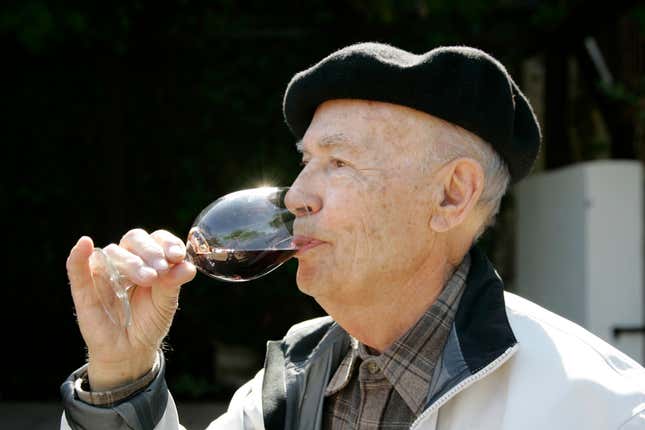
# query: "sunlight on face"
[[364, 171]]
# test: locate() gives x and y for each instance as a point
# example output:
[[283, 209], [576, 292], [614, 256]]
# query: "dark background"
[[129, 114]]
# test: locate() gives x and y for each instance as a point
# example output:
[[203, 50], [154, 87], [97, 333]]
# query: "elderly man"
[[405, 161]]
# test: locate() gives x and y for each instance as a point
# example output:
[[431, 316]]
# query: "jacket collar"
[[481, 323], [481, 326]]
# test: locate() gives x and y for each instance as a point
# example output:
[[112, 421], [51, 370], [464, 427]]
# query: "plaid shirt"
[[390, 390]]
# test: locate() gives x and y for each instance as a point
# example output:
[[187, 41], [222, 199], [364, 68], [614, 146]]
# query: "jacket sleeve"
[[637, 421], [245, 410], [152, 408], [169, 420]]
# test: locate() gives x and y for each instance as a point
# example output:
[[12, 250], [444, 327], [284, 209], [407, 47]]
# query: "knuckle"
[[160, 233], [152, 248], [165, 237], [134, 260], [156, 253], [112, 248], [134, 234]]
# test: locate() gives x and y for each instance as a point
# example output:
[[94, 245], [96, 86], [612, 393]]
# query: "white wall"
[[580, 246]]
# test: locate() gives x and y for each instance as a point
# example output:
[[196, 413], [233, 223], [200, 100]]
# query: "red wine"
[[236, 266]]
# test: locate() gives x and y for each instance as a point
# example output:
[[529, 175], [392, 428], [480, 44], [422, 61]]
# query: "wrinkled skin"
[[369, 195], [373, 201]]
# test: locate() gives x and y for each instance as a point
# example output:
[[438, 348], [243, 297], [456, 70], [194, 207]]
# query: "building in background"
[[578, 246]]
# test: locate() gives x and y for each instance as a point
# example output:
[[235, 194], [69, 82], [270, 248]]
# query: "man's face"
[[369, 192]]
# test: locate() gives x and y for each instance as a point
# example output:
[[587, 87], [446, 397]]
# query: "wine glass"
[[239, 237]]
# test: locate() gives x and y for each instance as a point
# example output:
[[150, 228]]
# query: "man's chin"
[[308, 278], [303, 281]]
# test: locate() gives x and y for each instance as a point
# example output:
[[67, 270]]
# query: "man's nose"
[[301, 202]]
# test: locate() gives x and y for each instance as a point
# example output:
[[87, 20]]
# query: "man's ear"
[[461, 183]]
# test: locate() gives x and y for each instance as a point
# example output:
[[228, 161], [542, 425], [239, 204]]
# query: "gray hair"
[[452, 142]]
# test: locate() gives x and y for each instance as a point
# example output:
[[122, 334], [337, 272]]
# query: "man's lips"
[[304, 243]]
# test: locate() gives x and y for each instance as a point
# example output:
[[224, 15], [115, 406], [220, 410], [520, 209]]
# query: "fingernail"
[[147, 273], [160, 265], [175, 251]]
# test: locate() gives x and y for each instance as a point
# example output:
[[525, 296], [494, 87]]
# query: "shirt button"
[[372, 367]]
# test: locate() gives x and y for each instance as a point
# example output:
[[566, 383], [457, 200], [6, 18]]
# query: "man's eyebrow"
[[328, 142]]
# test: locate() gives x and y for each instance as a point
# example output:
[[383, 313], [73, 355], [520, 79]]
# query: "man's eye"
[[339, 163]]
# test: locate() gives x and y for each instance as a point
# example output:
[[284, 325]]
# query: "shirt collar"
[[345, 369], [408, 364]]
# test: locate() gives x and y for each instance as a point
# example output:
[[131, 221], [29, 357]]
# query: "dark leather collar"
[[482, 325]]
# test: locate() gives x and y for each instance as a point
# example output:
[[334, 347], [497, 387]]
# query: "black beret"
[[462, 85]]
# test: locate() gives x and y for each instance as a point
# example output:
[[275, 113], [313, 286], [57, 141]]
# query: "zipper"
[[493, 365]]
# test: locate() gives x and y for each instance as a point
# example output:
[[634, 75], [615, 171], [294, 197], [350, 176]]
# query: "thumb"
[[78, 265]]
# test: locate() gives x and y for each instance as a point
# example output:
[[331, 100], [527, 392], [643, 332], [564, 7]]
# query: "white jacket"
[[556, 376], [559, 376]]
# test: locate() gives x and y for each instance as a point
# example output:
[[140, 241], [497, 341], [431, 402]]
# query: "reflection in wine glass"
[[239, 237]]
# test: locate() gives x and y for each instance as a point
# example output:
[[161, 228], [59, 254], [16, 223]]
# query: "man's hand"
[[155, 264]]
